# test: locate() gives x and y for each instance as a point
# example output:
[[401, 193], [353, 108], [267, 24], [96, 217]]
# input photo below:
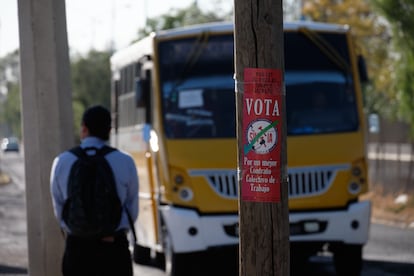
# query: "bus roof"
[[228, 27], [132, 53], [144, 47]]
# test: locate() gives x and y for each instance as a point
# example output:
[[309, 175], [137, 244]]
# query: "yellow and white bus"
[[173, 108]]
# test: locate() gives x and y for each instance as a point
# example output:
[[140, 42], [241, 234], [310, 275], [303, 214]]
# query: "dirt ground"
[[396, 209]]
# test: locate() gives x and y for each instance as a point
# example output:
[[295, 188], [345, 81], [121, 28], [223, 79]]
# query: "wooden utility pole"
[[47, 122], [261, 133]]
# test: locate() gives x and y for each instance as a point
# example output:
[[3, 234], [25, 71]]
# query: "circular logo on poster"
[[261, 136]]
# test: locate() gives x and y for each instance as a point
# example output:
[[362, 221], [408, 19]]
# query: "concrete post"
[[47, 122]]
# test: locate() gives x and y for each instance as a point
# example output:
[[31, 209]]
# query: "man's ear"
[[84, 131]]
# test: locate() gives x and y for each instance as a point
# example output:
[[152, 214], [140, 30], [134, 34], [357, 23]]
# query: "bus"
[[173, 110]]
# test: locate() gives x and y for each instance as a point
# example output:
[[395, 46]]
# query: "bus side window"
[[115, 103], [140, 93], [143, 93]]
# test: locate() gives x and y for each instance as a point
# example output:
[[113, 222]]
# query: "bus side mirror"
[[141, 92], [362, 69]]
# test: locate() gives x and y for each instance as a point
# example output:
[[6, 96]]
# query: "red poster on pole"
[[261, 160]]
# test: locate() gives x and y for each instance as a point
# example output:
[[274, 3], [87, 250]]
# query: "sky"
[[94, 24]]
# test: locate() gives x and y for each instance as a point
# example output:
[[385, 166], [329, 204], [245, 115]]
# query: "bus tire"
[[173, 262], [348, 259]]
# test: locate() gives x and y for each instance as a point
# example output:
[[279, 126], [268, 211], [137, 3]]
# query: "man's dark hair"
[[98, 121]]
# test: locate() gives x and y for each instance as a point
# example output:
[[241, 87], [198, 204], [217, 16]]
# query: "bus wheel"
[[348, 259], [173, 264]]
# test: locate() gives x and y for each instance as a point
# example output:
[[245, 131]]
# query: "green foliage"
[[91, 83], [91, 80], [10, 111], [400, 15], [178, 18], [10, 96], [372, 36]]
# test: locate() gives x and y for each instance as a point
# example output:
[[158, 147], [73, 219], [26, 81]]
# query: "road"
[[389, 252]]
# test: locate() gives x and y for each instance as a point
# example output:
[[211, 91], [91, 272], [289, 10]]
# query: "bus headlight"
[[154, 141], [354, 187]]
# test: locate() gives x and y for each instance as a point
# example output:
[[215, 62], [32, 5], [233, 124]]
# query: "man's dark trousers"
[[98, 257]]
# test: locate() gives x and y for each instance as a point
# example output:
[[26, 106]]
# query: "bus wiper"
[[327, 49]]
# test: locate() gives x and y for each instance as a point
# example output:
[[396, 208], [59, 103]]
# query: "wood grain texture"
[[264, 227]]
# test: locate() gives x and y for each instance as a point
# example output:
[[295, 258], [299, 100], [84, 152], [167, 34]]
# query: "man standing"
[[107, 254]]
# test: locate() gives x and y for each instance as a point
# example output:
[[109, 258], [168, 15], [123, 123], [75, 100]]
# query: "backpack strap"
[[105, 150], [131, 224], [77, 151]]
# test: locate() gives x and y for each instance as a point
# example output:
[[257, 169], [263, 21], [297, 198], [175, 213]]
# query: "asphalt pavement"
[[389, 251]]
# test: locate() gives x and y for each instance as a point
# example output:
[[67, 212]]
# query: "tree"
[[180, 17], [10, 111], [91, 80], [91, 83], [10, 120], [400, 15], [372, 37]]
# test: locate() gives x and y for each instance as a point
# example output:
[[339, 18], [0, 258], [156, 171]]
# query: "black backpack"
[[93, 208]]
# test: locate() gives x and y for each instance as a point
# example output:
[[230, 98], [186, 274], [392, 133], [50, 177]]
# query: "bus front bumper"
[[191, 231], [350, 226]]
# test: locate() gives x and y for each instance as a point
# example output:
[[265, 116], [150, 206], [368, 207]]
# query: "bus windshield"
[[198, 87], [319, 102], [198, 97]]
